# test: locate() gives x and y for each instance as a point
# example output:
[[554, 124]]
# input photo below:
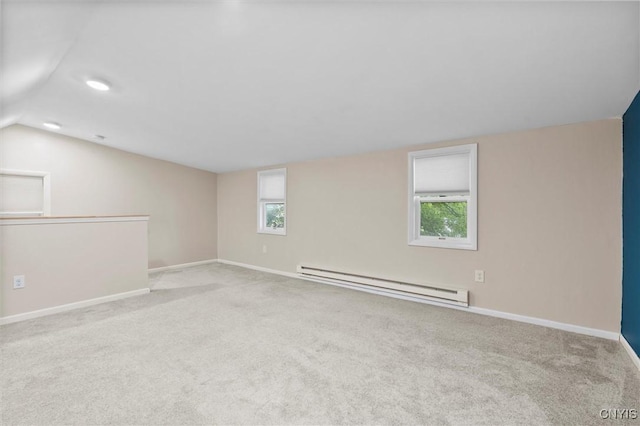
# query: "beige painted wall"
[[70, 262], [549, 222], [90, 179]]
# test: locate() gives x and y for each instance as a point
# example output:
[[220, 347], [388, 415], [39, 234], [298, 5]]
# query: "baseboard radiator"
[[428, 292]]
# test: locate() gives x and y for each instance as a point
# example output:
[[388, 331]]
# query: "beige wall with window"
[[91, 179], [549, 220]]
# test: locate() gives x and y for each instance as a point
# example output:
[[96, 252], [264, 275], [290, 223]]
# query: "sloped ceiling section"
[[34, 39], [230, 85]]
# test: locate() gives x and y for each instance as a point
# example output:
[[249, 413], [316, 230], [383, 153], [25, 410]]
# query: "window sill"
[[282, 232], [448, 244]]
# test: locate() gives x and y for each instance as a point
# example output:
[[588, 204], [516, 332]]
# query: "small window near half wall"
[[443, 197], [272, 206], [24, 193]]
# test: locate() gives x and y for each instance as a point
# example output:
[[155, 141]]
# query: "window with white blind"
[[272, 195], [443, 197], [24, 193]]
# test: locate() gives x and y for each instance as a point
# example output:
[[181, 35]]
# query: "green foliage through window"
[[443, 219], [275, 215]]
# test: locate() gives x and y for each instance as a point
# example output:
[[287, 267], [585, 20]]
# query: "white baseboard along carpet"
[[218, 344]]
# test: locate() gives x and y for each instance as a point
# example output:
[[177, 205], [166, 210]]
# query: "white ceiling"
[[237, 84]]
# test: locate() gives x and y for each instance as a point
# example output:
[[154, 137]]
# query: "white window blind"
[[272, 185], [441, 175], [21, 194]]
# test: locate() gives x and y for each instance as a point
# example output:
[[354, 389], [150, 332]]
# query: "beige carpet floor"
[[219, 344]]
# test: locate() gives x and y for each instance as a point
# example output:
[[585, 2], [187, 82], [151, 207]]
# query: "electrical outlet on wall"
[[264, 248], [479, 275], [18, 281]]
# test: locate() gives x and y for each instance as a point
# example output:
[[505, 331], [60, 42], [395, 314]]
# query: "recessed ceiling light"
[[101, 85], [52, 125]]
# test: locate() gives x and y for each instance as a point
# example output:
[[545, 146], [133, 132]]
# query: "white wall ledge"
[[46, 220]]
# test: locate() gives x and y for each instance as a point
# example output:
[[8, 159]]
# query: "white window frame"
[[471, 241], [46, 191], [262, 211]]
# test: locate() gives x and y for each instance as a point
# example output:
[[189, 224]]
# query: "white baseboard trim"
[[630, 351], [595, 332], [610, 335], [71, 306], [259, 268], [182, 265]]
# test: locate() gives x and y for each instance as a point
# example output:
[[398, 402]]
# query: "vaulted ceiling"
[[227, 85]]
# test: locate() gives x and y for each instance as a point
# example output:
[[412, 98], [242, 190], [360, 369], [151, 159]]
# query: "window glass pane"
[[274, 215], [443, 219]]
